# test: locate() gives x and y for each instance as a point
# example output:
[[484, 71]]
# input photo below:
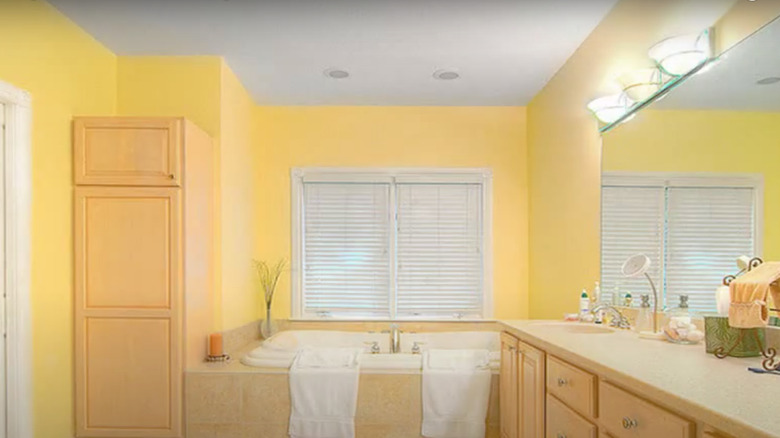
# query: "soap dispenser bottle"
[[644, 318]]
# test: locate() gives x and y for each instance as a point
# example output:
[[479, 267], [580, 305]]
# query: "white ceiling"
[[504, 50], [730, 84]]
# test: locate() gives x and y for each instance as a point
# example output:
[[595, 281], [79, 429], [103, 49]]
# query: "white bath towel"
[[457, 359], [456, 391], [323, 393]]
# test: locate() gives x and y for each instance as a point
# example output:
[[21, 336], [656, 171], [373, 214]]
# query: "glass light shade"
[[679, 55], [609, 109], [641, 84]]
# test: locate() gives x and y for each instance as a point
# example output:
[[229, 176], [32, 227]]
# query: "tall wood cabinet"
[[521, 389], [144, 238]]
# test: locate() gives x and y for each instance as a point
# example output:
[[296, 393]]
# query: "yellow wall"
[[239, 294], [704, 141], [205, 90], [494, 137], [564, 145], [67, 73], [175, 86]]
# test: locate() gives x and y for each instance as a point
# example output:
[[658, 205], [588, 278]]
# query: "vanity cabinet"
[[545, 396], [143, 271], [521, 389]]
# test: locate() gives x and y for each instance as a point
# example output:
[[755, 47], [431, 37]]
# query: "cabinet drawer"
[[562, 422], [124, 151], [572, 385], [627, 416]]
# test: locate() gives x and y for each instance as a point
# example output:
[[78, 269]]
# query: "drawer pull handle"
[[629, 423], [560, 435], [562, 381]]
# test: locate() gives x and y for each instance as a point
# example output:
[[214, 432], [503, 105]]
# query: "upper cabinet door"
[[120, 151]]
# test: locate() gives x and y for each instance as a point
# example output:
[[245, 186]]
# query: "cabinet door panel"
[[531, 391], [508, 388], [128, 237], [128, 312], [127, 151], [129, 375]]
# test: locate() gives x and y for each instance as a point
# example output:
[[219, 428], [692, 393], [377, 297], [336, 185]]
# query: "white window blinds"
[[632, 222], [346, 241], [709, 227], [439, 254], [381, 245], [692, 227]]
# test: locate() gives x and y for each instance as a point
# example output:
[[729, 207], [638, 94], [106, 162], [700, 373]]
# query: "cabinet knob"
[[629, 423], [172, 176], [562, 381], [560, 435]]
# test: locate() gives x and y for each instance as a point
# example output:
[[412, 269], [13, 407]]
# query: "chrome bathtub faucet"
[[395, 338]]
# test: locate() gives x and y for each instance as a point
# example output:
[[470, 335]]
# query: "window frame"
[[665, 180], [391, 175]]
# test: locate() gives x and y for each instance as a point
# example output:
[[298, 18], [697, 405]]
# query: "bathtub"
[[279, 350]]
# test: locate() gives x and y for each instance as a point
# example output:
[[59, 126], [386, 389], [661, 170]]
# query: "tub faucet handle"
[[374, 347], [416, 347]]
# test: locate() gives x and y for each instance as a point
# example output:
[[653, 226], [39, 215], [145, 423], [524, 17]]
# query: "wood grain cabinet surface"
[[563, 422], [123, 151], [522, 389], [508, 387], [572, 385], [625, 415], [134, 292]]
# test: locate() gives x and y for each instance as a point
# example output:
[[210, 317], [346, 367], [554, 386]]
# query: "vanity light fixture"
[[610, 108], [641, 84], [679, 55]]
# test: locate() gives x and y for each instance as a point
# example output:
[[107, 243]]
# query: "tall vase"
[[268, 327]]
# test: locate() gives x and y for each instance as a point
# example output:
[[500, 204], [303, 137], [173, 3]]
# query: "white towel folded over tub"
[[456, 391], [323, 393], [457, 359]]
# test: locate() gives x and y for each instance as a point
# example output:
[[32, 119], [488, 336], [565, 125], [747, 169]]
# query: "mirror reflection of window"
[[692, 226]]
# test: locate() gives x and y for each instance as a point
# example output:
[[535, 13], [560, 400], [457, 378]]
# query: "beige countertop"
[[682, 378]]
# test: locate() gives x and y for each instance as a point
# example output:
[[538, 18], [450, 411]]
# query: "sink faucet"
[[395, 338], [618, 320]]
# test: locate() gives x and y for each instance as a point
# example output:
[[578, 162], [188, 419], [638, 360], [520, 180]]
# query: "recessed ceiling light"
[[768, 81], [335, 73], [446, 75]]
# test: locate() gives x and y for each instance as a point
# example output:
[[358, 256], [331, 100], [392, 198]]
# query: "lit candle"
[[215, 344]]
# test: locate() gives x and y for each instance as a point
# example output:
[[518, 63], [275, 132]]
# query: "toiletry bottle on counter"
[[584, 306], [644, 319]]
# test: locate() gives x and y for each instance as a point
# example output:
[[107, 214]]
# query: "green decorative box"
[[718, 333]]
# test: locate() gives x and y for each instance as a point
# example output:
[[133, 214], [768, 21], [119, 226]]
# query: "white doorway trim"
[[18, 196]]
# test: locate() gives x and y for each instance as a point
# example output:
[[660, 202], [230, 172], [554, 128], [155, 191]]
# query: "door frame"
[[18, 120]]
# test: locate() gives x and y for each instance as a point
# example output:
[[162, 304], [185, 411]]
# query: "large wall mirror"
[[693, 180]]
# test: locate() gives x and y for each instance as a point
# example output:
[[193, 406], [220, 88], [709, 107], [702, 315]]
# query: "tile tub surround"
[[681, 378], [238, 404]]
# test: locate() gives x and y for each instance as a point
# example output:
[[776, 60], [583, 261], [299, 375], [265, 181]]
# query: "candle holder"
[[225, 358]]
